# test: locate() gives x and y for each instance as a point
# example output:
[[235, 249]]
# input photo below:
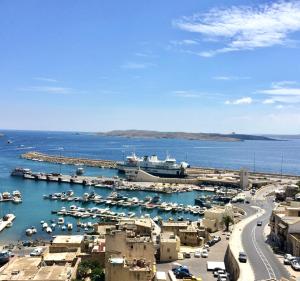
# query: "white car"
[[197, 254], [204, 253], [295, 265], [288, 258], [36, 252]]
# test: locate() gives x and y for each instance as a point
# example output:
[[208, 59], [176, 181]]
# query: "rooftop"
[[65, 239]]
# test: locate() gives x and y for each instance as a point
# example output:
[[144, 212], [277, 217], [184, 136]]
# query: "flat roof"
[[116, 260], [64, 256], [64, 239]]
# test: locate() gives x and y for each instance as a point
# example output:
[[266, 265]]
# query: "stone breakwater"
[[37, 156]]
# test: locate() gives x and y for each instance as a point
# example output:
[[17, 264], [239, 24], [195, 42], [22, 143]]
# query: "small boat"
[[70, 226], [53, 225], [49, 230], [45, 225], [60, 220], [17, 200], [33, 229], [29, 232], [9, 224], [79, 171], [42, 222], [63, 228]]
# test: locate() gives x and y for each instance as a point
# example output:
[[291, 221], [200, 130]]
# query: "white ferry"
[[152, 165]]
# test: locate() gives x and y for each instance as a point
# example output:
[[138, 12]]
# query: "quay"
[[37, 156], [6, 221]]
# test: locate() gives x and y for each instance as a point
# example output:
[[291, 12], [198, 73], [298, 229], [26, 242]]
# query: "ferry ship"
[[152, 165]]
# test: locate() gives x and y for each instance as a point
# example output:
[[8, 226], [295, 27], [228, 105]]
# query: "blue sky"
[[172, 65]]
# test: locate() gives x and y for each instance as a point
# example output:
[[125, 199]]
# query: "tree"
[[227, 220]]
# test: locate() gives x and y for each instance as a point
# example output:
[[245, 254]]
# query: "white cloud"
[[228, 78], [48, 90], [245, 28], [245, 100], [45, 79], [184, 42], [282, 92], [135, 65]]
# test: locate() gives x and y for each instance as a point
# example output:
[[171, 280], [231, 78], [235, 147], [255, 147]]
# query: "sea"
[[264, 156]]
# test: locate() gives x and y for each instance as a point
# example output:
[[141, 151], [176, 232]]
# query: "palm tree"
[[227, 220]]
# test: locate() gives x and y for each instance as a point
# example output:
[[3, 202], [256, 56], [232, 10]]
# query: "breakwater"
[[57, 159]]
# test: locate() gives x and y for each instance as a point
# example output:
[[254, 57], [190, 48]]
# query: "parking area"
[[198, 266]]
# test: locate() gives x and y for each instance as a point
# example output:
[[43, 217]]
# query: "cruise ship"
[[152, 165]]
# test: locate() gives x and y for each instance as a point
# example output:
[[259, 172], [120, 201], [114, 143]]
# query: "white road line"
[[263, 258]]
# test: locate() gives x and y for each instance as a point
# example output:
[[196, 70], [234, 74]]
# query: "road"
[[261, 257]]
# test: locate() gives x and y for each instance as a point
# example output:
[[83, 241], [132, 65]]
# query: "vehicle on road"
[[242, 257], [206, 246], [259, 223], [197, 254], [227, 236], [288, 258], [218, 272], [216, 238], [295, 265], [211, 243], [204, 253], [36, 252]]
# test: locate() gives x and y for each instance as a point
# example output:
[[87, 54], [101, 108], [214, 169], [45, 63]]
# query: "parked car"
[[187, 255], [36, 252], [206, 246], [211, 243], [227, 236], [295, 265], [197, 254], [216, 238], [288, 258], [259, 223], [218, 272], [242, 257], [204, 253]]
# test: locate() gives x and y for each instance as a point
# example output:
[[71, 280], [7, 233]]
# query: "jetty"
[[6, 221], [37, 156]]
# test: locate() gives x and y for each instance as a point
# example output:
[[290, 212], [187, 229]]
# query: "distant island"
[[1, 135], [183, 135]]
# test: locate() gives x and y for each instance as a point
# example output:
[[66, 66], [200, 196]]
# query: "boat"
[[49, 229], [29, 232], [20, 172], [70, 226], [9, 224], [63, 228], [17, 200], [60, 220], [45, 225], [16, 193], [152, 165], [79, 171]]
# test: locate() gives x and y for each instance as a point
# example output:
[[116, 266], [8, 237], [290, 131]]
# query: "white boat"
[[33, 229], [60, 220], [70, 226], [20, 172], [45, 225], [29, 232], [49, 229], [79, 171], [17, 200], [63, 228], [16, 193], [152, 165]]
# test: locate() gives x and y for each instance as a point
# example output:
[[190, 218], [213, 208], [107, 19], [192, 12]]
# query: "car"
[[227, 236], [295, 265], [216, 238], [197, 254], [247, 201], [206, 246], [288, 258], [211, 243], [242, 257], [259, 223], [180, 274], [36, 252], [218, 272], [175, 265], [187, 255], [204, 253]]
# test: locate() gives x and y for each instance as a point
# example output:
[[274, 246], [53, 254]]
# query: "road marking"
[[263, 258]]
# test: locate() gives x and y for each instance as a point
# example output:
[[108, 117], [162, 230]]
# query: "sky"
[[194, 65]]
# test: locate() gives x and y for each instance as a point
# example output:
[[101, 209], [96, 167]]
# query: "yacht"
[[152, 165], [20, 172]]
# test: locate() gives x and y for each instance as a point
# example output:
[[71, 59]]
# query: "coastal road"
[[261, 257]]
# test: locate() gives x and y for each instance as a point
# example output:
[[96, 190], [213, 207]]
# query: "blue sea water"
[[270, 156]]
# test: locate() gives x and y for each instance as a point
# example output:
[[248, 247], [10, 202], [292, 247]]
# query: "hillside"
[[182, 135]]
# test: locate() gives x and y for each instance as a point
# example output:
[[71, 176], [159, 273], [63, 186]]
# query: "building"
[[67, 243], [244, 179], [285, 227], [213, 218], [174, 226], [135, 270], [169, 247], [192, 236], [59, 267]]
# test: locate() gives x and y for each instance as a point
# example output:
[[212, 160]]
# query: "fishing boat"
[[49, 230], [70, 226]]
